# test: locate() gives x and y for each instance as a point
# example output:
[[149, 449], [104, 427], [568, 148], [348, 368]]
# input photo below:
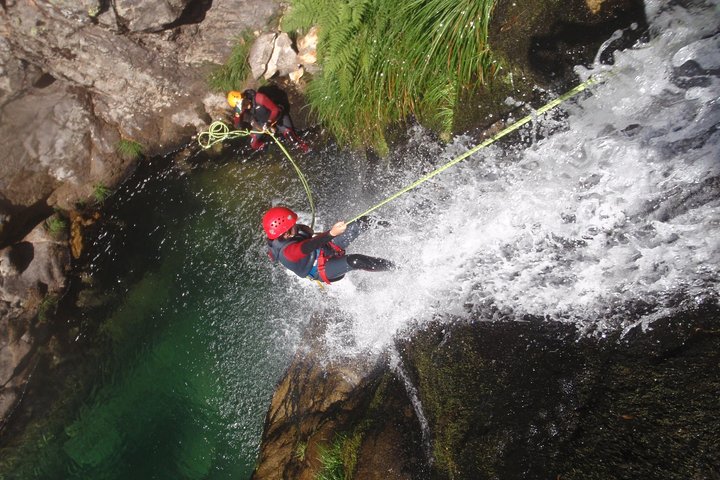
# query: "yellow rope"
[[548, 106], [219, 131]]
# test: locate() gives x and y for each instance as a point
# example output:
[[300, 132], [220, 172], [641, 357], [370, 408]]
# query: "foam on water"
[[611, 219]]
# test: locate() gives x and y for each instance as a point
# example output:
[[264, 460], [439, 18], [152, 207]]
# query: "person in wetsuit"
[[258, 110], [317, 256]]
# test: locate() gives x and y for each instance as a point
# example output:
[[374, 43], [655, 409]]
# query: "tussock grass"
[[340, 458], [232, 75], [56, 225], [129, 149], [101, 192], [383, 62]]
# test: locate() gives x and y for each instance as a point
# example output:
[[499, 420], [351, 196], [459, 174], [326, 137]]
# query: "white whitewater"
[[608, 219]]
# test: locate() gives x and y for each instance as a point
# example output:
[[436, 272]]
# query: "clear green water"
[[192, 337]]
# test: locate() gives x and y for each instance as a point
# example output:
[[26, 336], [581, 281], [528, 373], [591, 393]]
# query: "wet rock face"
[[350, 404], [77, 77], [532, 400], [30, 271]]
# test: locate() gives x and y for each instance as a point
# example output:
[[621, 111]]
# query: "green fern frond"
[[384, 60]]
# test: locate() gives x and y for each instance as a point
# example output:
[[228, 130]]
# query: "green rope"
[[219, 131], [302, 178], [548, 106]]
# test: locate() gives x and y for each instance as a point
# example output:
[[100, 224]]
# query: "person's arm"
[[298, 250], [262, 99]]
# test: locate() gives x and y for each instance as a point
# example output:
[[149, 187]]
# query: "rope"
[[302, 178], [548, 106], [219, 131]]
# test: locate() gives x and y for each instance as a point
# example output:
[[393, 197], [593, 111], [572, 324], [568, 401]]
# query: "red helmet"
[[278, 220]]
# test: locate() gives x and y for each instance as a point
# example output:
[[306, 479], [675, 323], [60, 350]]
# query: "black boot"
[[366, 222], [371, 264]]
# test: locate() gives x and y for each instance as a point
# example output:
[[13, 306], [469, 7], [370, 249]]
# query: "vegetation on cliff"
[[383, 62]]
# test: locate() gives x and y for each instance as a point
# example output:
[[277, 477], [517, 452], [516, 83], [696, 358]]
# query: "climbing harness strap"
[[323, 258]]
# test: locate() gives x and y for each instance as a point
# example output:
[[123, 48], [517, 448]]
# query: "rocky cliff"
[[76, 78]]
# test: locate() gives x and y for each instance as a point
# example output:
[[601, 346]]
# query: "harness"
[[324, 255]]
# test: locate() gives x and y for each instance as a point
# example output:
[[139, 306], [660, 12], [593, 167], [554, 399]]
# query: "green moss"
[[47, 307]]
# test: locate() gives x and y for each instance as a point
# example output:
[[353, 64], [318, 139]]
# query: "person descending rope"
[[258, 110], [317, 256]]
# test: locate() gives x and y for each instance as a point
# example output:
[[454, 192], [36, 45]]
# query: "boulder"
[[271, 54], [148, 16], [283, 59], [260, 54], [307, 51], [317, 398], [33, 268]]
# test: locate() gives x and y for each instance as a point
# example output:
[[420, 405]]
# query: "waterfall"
[[610, 218], [397, 367]]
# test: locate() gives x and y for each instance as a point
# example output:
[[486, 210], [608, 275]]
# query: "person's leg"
[[371, 264], [287, 130], [337, 267], [257, 142]]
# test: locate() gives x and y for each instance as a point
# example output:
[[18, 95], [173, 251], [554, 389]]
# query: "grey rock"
[[260, 54], [149, 16]]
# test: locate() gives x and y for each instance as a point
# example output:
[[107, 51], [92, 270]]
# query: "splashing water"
[[610, 220]]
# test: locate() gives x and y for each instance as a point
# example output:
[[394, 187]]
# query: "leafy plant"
[[339, 460], [300, 450], [56, 225], [232, 75], [129, 149], [101, 192], [384, 61]]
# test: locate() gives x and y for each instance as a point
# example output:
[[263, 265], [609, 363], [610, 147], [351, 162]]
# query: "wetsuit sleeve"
[[263, 100], [296, 251]]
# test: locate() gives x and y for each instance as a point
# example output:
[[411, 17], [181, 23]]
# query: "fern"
[[384, 61]]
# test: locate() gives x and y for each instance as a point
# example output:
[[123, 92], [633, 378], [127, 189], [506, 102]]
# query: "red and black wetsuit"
[[264, 112], [299, 253]]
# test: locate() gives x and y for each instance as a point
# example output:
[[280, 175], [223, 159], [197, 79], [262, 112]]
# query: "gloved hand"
[[269, 127]]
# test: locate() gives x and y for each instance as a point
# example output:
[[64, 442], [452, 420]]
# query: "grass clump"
[[384, 61], [340, 458], [47, 307], [56, 225], [129, 149], [232, 75], [101, 192]]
